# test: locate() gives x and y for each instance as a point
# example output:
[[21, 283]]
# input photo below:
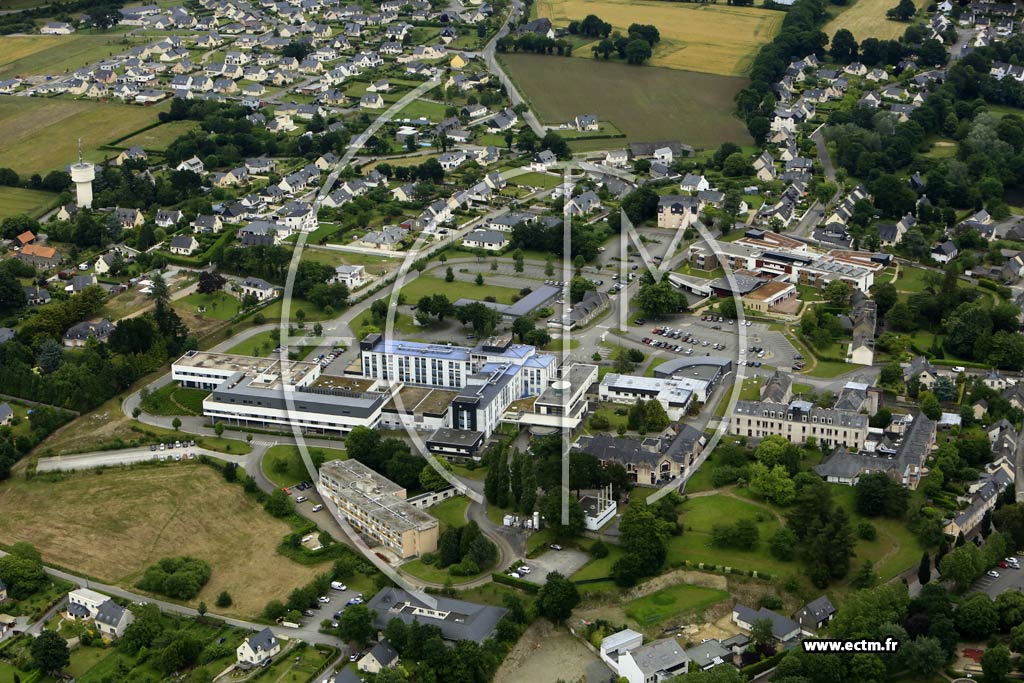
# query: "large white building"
[[674, 394], [269, 393]]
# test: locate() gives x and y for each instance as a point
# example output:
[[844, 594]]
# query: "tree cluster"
[[180, 578]]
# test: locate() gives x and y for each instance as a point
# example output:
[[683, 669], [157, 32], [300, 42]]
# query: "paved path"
[[495, 67], [128, 456], [308, 633]]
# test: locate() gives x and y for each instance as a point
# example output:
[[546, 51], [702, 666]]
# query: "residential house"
[[489, 240], [351, 276], [257, 648], [39, 256], [261, 289], [111, 619], [784, 629], [184, 245], [78, 334], [204, 223], [693, 182], [381, 656], [815, 615], [167, 218], [543, 161]]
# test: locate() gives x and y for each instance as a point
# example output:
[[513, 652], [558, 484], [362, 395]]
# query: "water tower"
[[82, 175]]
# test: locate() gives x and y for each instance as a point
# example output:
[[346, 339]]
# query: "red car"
[[1002, 565], [286, 490]]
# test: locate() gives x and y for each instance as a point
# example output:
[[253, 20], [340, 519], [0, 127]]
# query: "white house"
[[381, 656], [491, 240], [111, 619], [350, 276], [184, 245], [257, 648], [261, 289]]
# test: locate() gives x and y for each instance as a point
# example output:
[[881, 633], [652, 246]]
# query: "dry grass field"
[[866, 19], [716, 39], [115, 524], [55, 55], [649, 103], [41, 135]]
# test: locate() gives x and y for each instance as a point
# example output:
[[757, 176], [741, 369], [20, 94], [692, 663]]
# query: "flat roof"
[[297, 370], [377, 496], [456, 437], [768, 290]]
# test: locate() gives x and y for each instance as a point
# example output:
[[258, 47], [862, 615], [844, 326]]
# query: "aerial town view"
[[525, 341]]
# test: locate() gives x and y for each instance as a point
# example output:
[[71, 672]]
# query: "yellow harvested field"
[[112, 525], [41, 134], [866, 19], [715, 39]]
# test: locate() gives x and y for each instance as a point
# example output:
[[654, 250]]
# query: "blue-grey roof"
[[263, 640], [457, 619], [110, 613]]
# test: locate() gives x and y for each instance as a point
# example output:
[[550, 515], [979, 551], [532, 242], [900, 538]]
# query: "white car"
[[324, 599], [301, 499], [959, 368], [524, 570], [993, 573], [318, 508]]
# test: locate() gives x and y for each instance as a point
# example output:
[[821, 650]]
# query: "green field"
[[17, 200], [283, 464], [417, 108], [174, 399], [41, 135], [451, 512], [672, 602], [264, 343], [535, 179], [701, 514], [219, 305], [649, 103], [54, 55], [459, 289], [866, 19], [157, 139]]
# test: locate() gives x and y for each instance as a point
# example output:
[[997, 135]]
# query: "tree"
[[12, 296], [201, 609], [23, 576], [210, 282], [50, 653], [996, 663], [976, 618], [356, 624], [763, 637], [782, 545], [866, 576], [557, 598], [903, 11], [449, 276], [279, 504], [877, 494], [924, 655], [930, 405], [844, 47], [639, 51], [962, 566], [656, 300], [773, 484], [838, 293], [924, 569], [224, 599], [1011, 609]]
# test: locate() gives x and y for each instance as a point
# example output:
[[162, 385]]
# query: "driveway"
[[566, 562]]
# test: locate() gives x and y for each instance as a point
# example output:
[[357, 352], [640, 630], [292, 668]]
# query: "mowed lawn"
[[717, 39], [283, 464], [671, 602], [55, 55], [458, 289], [17, 200], [115, 524], [866, 19], [649, 103], [41, 135], [159, 138]]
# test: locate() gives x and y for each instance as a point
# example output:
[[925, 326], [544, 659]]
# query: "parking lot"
[[566, 562], [774, 349], [1010, 579], [332, 609]]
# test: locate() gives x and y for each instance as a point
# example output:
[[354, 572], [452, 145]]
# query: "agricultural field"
[[27, 120], [651, 103], [152, 512], [716, 39], [17, 200], [866, 19], [159, 138], [56, 55]]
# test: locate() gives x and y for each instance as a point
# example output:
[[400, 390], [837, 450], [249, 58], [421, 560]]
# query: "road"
[[310, 634], [128, 456], [495, 67]]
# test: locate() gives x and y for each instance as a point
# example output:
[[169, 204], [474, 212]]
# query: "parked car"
[[301, 499], [324, 599], [318, 508], [555, 546], [993, 573]]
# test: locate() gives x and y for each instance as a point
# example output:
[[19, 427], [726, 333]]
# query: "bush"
[[867, 531], [599, 549], [770, 602], [465, 568], [599, 422], [180, 578]]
